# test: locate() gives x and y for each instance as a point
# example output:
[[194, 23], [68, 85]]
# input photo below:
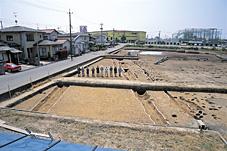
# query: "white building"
[[80, 44], [100, 39]]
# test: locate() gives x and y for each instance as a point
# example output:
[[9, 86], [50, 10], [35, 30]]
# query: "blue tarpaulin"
[[20, 142]]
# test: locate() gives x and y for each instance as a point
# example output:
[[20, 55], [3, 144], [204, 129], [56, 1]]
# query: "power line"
[[11, 21], [42, 7]]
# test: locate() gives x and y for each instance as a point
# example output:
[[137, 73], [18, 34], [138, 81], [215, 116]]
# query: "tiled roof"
[[18, 29], [48, 31], [49, 42]]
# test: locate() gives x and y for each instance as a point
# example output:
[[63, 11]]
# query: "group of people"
[[100, 71]]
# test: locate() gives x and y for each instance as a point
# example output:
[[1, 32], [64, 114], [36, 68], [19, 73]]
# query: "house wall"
[[67, 46], [4, 56], [46, 52], [20, 39], [80, 44], [51, 36]]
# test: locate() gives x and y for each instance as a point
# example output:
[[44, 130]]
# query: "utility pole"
[[15, 15], [70, 34], [101, 33], [37, 45], [1, 24], [159, 35], [113, 37]]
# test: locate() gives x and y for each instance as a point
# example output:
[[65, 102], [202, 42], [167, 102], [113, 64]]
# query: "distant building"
[[158, 41], [100, 39], [199, 36], [67, 36], [24, 39], [83, 29], [80, 44], [123, 35], [50, 34]]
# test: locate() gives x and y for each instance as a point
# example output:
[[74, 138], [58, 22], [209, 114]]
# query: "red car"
[[11, 67]]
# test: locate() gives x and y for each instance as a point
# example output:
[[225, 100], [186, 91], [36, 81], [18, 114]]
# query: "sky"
[[152, 16]]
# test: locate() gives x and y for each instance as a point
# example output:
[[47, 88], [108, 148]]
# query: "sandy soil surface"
[[160, 108], [210, 107], [95, 103], [171, 110], [128, 138], [180, 68]]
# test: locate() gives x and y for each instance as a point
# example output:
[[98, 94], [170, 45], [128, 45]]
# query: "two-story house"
[[50, 34], [80, 44], [52, 48], [24, 39]]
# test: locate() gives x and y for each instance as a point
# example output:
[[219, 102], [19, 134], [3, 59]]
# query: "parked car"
[[11, 67]]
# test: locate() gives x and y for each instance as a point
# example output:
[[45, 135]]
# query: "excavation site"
[[132, 99]]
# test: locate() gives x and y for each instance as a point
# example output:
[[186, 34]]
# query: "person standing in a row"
[[115, 71], [87, 72], [120, 70], [93, 72], [82, 70], [97, 71], [78, 71], [106, 71], [101, 71], [111, 71]]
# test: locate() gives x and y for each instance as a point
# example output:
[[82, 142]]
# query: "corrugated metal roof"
[[18, 142]]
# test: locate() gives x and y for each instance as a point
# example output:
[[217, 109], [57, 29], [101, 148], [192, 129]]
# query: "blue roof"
[[28, 143]]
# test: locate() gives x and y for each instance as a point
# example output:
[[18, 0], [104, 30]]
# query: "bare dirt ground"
[[170, 110], [210, 107], [94, 103], [121, 137], [180, 68], [159, 108]]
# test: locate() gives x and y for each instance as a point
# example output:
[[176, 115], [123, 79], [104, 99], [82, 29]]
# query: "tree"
[[123, 38]]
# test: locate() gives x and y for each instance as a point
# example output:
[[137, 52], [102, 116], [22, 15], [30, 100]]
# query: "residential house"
[[100, 39], [80, 44], [67, 36], [54, 50], [8, 54], [50, 34], [23, 39]]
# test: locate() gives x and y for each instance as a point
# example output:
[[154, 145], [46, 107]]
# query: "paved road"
[[13, 81]]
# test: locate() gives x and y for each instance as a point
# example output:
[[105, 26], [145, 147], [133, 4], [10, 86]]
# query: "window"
[[45, 37], [9, 38], [30, 37]]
